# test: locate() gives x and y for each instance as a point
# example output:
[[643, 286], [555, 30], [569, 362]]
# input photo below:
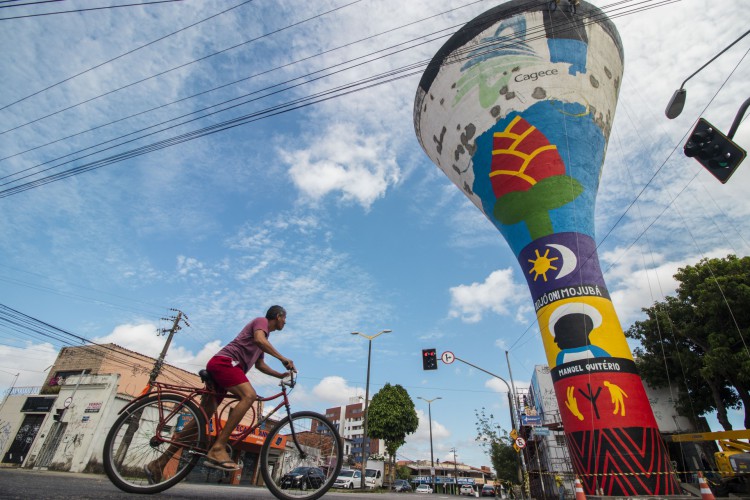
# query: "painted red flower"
[[521, 157]]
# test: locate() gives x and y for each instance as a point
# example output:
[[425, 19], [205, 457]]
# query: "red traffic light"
[[429, 359]]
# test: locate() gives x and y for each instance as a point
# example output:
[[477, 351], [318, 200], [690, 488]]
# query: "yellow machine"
[[732, 462]]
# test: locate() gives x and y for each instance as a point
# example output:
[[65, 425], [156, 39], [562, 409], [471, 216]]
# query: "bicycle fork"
[[302, 452]]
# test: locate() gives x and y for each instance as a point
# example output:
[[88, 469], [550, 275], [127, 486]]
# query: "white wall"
[[11, 419], [88, 417], [665, 413]]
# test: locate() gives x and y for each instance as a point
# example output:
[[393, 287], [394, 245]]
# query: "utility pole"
[[523, 459], [122, 449], [455, 469], [181, 316]]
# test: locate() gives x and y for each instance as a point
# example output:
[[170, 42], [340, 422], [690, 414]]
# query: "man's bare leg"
[[154, 468], [218, 452]]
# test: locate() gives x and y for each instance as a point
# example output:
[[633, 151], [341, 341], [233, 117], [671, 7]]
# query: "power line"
[[176, 68], [255, 75], [123, 54], [25, 4], [88, 9], [363, 84], [36, 328]]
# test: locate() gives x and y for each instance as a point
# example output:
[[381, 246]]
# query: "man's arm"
[[266, 347], [264, 368]]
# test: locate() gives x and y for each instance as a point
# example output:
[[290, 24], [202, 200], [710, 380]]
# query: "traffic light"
[[715, 151], [59, 412], [429, 359]]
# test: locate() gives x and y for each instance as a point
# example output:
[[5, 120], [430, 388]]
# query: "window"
[[37, 404]]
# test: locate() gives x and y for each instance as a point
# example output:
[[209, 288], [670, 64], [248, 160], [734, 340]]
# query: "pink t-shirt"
[[243, 348]]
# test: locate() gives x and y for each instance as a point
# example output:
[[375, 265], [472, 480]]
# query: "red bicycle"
[[300, 457]]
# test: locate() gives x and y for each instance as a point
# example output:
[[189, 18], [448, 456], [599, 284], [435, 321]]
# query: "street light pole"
[[365, 442], [432, 458], [674, 108]]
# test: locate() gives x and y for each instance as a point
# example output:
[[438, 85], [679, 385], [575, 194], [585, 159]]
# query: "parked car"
[[348, 478], [401, 485], [488, 490], [466, 489], [303, 478], [423, 488]]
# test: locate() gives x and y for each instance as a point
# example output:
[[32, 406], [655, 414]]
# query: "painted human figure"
[[572, 330]]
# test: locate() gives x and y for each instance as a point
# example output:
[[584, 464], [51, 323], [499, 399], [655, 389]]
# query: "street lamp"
[[365, 442], [677, 102], [432, 460]]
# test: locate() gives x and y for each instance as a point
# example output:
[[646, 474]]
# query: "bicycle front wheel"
[[153, 445], [301, 457]]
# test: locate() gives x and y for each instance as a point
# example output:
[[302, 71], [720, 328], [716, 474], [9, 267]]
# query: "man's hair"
[[274, 311]]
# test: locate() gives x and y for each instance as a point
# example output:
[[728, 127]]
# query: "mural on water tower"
[[516, 109]]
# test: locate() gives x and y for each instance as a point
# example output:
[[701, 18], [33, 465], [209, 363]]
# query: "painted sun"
[[542, 264]]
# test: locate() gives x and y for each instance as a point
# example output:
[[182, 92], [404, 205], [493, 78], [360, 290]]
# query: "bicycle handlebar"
[[291, 381]]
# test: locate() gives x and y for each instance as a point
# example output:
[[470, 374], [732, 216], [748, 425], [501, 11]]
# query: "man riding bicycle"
[[227, 369]]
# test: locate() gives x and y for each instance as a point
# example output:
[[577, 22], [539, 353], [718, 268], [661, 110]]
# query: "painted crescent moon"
[[570, 261]]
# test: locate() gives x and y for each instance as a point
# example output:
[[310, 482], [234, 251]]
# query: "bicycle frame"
[[193, 394]]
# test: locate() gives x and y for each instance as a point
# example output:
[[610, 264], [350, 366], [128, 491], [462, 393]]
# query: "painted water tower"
[[516, 109]]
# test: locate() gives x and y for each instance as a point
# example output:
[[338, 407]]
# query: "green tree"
[[697, 341], [391, 417], [403, 472], [498, 445]]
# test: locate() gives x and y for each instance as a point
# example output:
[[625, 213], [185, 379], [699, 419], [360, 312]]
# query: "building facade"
[[449, 476], [349, 419]]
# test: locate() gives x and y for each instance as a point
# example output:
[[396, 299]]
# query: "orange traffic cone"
[[705, 490], [580, 495]]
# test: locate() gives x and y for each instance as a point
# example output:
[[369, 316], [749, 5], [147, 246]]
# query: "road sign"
[[520, 442], [540, 431], [67, 402], [513, 434], [447, 357], [531, 420]]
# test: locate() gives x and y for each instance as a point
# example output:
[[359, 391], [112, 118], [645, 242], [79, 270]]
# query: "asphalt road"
[[47, 485]]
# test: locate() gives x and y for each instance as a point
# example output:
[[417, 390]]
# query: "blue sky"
[[332, 210]]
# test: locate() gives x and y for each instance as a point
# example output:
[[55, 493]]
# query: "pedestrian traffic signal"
[[429, 359], [715, 151]]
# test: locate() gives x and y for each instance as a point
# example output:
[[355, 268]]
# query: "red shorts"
[[225, 373]]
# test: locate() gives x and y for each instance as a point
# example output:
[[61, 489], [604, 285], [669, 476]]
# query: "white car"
[[423, 488], [348, 478], [466, 489]]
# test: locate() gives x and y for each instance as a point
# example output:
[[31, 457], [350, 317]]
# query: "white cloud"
[[29, 362], [422, 434], [341, 159], [496, 385], [335, 389], [499, 293], [140, 338], [638, 278]]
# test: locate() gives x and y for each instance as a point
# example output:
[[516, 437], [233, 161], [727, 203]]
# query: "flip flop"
[[149, 474], [226, 465]]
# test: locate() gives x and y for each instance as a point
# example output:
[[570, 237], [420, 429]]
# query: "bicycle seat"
[[206, 377]]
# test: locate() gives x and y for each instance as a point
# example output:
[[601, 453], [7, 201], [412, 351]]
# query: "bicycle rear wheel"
[[304, 464], [137, 456]]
